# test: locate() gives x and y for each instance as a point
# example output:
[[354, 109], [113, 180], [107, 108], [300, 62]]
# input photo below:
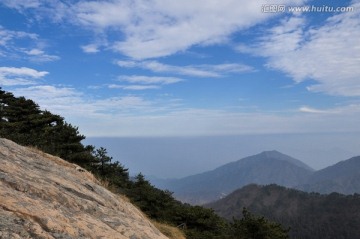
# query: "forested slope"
[[309, 215]]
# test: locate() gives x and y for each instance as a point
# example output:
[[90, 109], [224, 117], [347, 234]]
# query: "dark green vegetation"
[[257, 227], [309, 215], [22, 121]]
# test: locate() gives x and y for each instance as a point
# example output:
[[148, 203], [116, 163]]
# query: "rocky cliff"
[[42, 196]]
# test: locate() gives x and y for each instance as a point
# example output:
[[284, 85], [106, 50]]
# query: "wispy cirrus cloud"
[[90, 48], [206, 70], [134, 87], [13, 76], [307, 109], [157, 28], [39, 55], [72, 103], [137, 82], [54, 10], [150, 29], [160, 28], [328, 54], [180, 121], [20, 5], [131, 115], [57, 99], [10, 48], [161, 80], [8, 38]]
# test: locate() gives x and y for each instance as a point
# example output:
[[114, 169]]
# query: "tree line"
[[22, 121]]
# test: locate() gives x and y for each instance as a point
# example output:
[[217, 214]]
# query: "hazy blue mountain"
[[343, 177], [265, 168], [310, 215]]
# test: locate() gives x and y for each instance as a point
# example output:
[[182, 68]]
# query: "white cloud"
[[148, 29], [41, 10], [45, 92], [189, 70], [134, 87], [230, 68], [121, 105], [307, 109], [73, 104], [103, 14], [35, 52], [9, 47], [91, 48], [59, 99], [197, 122], [160, 28], [12, 76], [130, 115], [129, 64], [22, 71], [7, 37], [329, 54], [137, 82], [39, 55], [136, 79], [22, 4]]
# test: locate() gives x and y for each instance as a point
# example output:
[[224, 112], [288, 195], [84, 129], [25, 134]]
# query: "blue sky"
[[126, 68]]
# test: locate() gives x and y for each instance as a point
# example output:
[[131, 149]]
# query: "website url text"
[[277, 8]]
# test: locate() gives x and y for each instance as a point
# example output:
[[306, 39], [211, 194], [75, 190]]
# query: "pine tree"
[[253, 227], [102, 159]]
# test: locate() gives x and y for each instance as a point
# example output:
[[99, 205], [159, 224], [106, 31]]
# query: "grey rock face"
[[42, 196]]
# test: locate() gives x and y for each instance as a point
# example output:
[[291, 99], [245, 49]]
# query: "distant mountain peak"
[[270, 152], [274, 154], [265, 168]]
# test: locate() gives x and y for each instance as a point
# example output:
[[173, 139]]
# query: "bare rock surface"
[[42, 196]]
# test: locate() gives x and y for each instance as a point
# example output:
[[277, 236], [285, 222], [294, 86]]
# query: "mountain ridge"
[[310, 215], [264, 168], [342, 177], [267, 167]]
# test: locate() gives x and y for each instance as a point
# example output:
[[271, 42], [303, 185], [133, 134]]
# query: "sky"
[[156, 68]]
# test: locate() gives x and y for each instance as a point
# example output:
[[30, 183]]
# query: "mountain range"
[[268, 167], [309, 215], [343, 177]]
